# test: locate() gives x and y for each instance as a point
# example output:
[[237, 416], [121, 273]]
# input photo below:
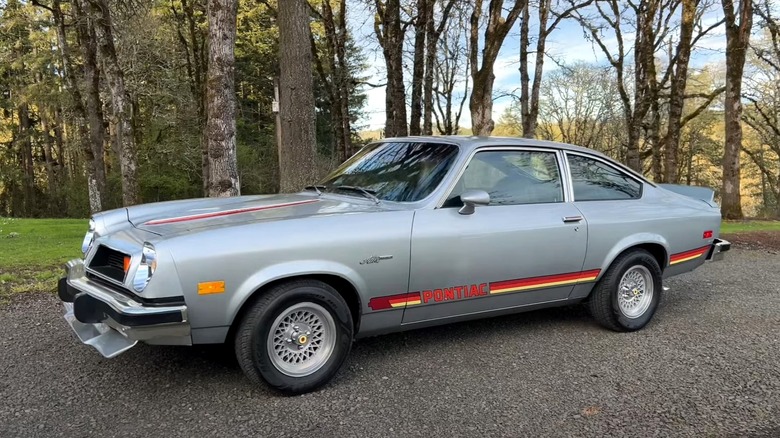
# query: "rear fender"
[[634, 240]]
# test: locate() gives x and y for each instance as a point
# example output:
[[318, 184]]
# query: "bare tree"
[[428, 30], [738, 25], [676, 74], [529, 95], [390, 34], [120, 101], [580, 107], [451, 71], [482, 77], [424, 16], [651, 21], [763, 112], [297, 163]]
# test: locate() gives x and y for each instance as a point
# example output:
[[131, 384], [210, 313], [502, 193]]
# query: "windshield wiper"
[[366, 192], [316, 188]]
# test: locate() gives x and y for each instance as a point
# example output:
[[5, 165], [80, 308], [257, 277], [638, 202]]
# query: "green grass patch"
[[33, 251], [749, 225]]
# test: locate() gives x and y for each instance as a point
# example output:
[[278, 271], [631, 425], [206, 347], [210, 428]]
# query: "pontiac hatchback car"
[[408, 233]]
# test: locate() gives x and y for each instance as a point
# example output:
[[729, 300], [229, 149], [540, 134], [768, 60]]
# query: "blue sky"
[[566, 45]]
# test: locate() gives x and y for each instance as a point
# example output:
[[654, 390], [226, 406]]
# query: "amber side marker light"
[[126, 264], [211, 287]]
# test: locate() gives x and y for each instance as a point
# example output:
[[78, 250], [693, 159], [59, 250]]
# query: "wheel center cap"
[[302, 339]]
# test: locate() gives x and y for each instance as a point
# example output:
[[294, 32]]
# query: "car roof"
[[470, 142]]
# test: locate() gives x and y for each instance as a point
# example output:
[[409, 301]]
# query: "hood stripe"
[[194, 217]]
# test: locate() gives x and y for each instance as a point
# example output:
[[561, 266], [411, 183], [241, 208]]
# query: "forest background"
[[105, 103]]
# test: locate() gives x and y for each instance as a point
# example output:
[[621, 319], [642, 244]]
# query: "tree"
[[650, 19], [738, 25], [120, 101], [390, 34], [482, 77], [221, 99], [451, 72], [529, 96], [762, 114], [189, 22], [92, 136], [297, 154]]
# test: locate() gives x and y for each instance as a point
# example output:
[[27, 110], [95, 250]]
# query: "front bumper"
[[719, 246], [114, 322]]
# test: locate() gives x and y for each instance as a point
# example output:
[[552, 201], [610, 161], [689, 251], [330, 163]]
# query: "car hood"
[[174, 217]]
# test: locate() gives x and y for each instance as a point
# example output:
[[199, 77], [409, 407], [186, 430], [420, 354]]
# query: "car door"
[[527, 246]]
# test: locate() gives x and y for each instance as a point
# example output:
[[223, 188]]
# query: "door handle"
[[568, 219]]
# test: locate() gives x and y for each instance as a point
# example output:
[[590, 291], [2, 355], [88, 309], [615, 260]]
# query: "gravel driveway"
[[709, 364]]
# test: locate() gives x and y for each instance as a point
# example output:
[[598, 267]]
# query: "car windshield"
[[394, 171]]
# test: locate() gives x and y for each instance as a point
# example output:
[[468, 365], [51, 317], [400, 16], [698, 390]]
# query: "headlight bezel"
[[146, 267], [89, 237]]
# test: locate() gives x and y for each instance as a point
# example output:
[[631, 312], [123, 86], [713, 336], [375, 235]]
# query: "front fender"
[[289, 269]]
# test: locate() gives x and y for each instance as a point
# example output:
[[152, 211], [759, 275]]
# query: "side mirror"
[[472, 198]]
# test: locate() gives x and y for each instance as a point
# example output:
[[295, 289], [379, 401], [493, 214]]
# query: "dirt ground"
[[755, 240]]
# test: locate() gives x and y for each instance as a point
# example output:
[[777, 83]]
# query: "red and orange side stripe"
[[543, 282], [394, 301], [688, 255]]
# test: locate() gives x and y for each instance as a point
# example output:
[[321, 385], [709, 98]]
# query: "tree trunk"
[[391, 38], [496, 30], [91, 139], [679, 79], [297, 154], [120, 102], [221, 99], [737, 38], [418, 65], [26, 155], [338, 84]]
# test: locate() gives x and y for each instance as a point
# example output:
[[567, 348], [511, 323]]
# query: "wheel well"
[[342, 286], [656, 250]]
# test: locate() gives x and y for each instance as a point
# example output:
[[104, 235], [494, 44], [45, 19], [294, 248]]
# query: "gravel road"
[[709, 364]]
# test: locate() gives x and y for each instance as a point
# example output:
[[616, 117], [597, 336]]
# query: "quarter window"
[[594, 180], [512, 177]]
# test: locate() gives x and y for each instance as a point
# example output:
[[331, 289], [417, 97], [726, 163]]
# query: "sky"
[[566, 45]]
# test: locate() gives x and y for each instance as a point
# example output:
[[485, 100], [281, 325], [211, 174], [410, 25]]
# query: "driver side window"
[[512, 177]]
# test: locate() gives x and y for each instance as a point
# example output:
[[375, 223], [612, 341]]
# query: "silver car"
[[408, 233]]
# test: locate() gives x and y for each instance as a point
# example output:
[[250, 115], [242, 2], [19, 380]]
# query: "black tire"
[[603, 300], [251, 338]]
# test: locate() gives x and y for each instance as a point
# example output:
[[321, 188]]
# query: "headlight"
[[88, 238], [146, 268]]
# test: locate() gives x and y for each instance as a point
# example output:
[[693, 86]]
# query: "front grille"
[[109, 263]]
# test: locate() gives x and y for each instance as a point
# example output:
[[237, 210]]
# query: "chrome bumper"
[[719, 246], [113, 322]]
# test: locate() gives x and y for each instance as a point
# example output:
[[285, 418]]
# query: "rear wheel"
[[295, 337], [627, 296]]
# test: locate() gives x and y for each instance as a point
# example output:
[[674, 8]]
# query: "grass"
[[32, 252], [749, 225]]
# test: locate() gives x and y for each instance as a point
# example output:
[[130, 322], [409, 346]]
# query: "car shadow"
[[183, 364]]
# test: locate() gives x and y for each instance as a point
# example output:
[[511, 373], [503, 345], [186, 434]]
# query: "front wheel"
[[295, 337], [627, 296]]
